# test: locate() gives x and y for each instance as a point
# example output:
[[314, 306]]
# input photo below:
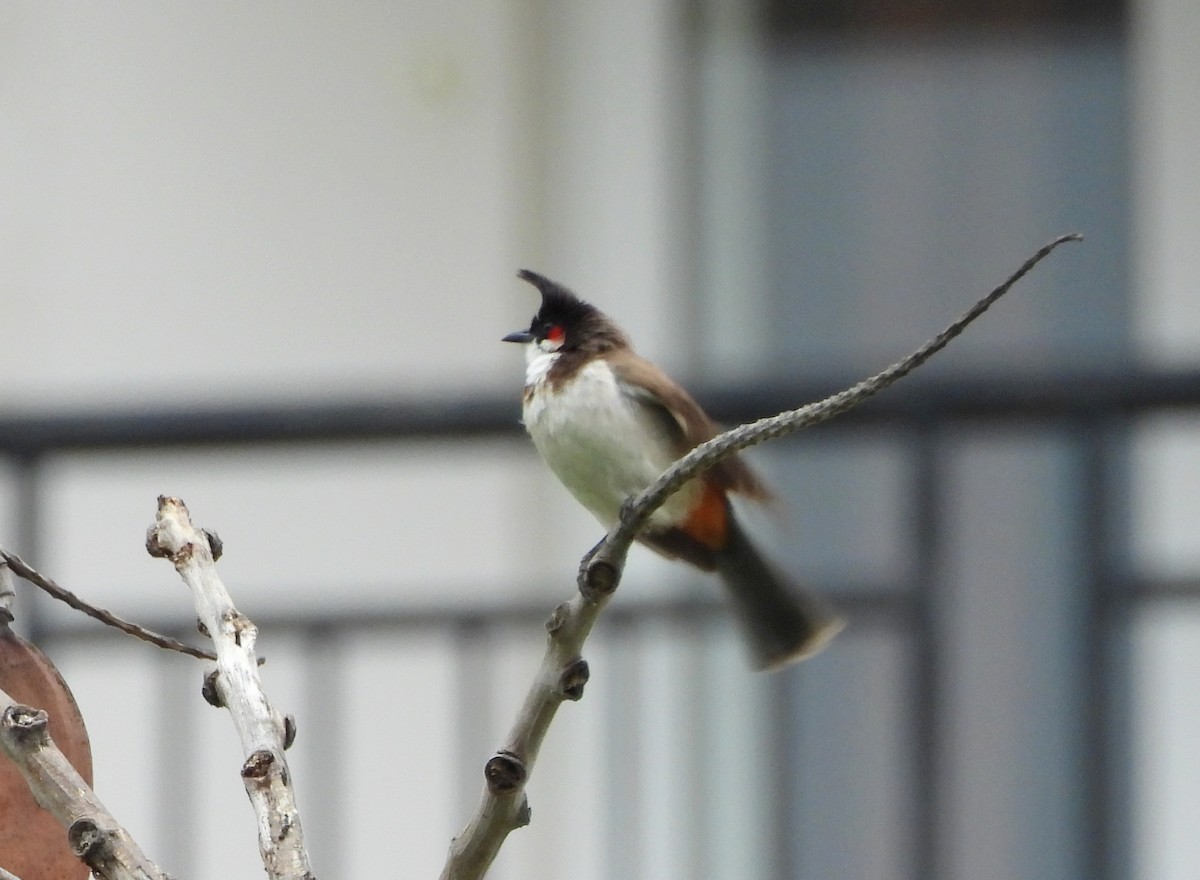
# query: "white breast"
[[602, 443]]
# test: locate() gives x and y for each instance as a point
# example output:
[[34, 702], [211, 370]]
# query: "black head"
[[565, 322]]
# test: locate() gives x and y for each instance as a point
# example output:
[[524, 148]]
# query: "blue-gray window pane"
[[908, 177], [844, 515]]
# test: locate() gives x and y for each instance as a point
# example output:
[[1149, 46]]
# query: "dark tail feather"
[[782, 622]]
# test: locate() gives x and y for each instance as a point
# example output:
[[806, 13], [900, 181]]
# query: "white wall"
[[216, 200]]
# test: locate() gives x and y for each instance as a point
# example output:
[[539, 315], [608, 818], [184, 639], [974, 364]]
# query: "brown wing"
[[686, 421]]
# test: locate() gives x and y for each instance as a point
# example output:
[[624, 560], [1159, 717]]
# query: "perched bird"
[[608, 423]]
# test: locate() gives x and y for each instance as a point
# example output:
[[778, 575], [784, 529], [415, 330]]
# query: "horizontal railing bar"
[[868, 606], [863, 604], [496, 416]]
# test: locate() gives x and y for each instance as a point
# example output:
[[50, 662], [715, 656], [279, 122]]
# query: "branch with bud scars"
[[95, 836], [236, 686], [93, 833], [563, 672]]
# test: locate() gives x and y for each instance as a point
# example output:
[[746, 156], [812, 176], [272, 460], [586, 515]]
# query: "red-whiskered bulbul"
[[609, 422]]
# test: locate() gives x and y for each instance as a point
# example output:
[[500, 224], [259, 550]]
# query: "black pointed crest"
[[586, 326], [558, 302]]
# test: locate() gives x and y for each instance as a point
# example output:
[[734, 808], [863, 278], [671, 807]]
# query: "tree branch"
[[235, 685], [94, 834], [7, 595], [24, 570], [611, 551], [563, 672]]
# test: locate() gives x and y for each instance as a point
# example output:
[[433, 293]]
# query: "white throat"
[[537, 364]]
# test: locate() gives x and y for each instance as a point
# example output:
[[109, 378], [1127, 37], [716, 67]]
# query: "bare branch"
[[24, 570], [7, 594], [94, 834], [263, 731], [616, 544], [563, 672]]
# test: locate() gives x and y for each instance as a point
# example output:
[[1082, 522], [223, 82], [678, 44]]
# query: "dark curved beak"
[[519, 336]]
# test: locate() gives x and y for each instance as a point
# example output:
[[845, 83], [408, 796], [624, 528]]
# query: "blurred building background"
[[260, 256]]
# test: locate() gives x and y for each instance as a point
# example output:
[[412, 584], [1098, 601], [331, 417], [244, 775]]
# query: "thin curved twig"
[[563, 673], [708, 454], [25, 571]]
